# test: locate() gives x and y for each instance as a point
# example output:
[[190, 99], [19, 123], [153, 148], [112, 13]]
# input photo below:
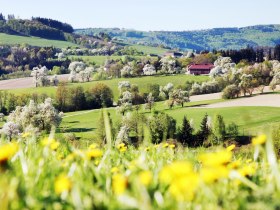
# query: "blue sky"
[[149, 14]]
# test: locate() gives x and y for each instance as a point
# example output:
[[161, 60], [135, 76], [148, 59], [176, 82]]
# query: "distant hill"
[[216, 38], [7, 39], [15, 31]]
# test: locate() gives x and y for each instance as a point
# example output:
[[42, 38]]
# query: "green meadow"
[[6, 39], [142, 83]]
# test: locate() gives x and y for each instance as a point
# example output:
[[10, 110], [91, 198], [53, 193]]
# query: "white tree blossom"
[[40, 76], [124, 86], [150, 101], [222, 66], [168, 65], [149, 70], [10, 129], [42, 116], [125, 102], [127, 71]]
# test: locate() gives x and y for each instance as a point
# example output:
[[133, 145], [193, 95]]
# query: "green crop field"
[[34, 41], [142, 83], [251, 120]]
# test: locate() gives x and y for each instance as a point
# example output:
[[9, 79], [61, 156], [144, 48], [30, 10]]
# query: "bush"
[[232, 130], [162, 127], [230, 92]]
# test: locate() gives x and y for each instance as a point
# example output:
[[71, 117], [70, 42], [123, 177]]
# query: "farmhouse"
[[198, 69], [173, 54]]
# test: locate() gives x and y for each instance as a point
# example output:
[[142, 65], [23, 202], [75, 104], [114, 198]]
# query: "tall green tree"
[[185, 133], [204, 131], [219, 129]]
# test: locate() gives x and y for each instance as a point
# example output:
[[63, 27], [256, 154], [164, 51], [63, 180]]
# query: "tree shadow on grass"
[[73, 122], [78, 130]]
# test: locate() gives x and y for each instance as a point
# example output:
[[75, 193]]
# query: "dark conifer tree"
[[185, 135]]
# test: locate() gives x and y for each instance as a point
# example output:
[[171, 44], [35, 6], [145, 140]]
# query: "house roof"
[[201, 66]]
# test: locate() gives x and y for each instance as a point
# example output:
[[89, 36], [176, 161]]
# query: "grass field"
[[99, 60], [251, 120], [142, 83], [34, 41]]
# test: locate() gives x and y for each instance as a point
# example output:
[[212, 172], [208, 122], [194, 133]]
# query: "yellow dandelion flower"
[[165, 145], [25, 135], [94, 153], [212, 174], [123, 149], [7, 151], [93, 146], [249, 161], [145, 177], [51, 143], [216, 159], [259, 140], [184, 188], [119, 184], [121, 145], [235, 164], [54, 145], [115, 170], [174, 171], [62, 184], [248, 170], [230, 148], [172, 146]]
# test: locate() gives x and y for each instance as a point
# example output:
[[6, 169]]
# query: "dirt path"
[[23, 82], [272, 100]]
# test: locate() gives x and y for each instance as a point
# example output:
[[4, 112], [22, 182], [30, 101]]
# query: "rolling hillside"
[[6, 39], [217, 38]]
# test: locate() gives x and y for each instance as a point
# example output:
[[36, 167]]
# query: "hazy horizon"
[[150, 15]]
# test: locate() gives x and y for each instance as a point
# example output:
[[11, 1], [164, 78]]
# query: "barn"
[[198, 69]]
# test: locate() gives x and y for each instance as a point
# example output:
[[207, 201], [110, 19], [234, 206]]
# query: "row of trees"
[[163, 127], [22, 58]]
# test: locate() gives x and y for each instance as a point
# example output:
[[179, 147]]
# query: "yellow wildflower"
[[7, 151], [93, 146], [25, 135], [235, 164], [184, 188], [94, 153], [212, 174], [259, 140], [145, 177], [119, 184], [53, 144], [114, 170], [122, 147], [216, 159], [248, 170], [172, 146], [165, 145], [174, 171], [62, 184], [230, 148]]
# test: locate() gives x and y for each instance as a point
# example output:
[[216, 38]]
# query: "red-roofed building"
[[198, 69]]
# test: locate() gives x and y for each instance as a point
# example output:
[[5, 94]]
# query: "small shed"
[[198, 69]]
